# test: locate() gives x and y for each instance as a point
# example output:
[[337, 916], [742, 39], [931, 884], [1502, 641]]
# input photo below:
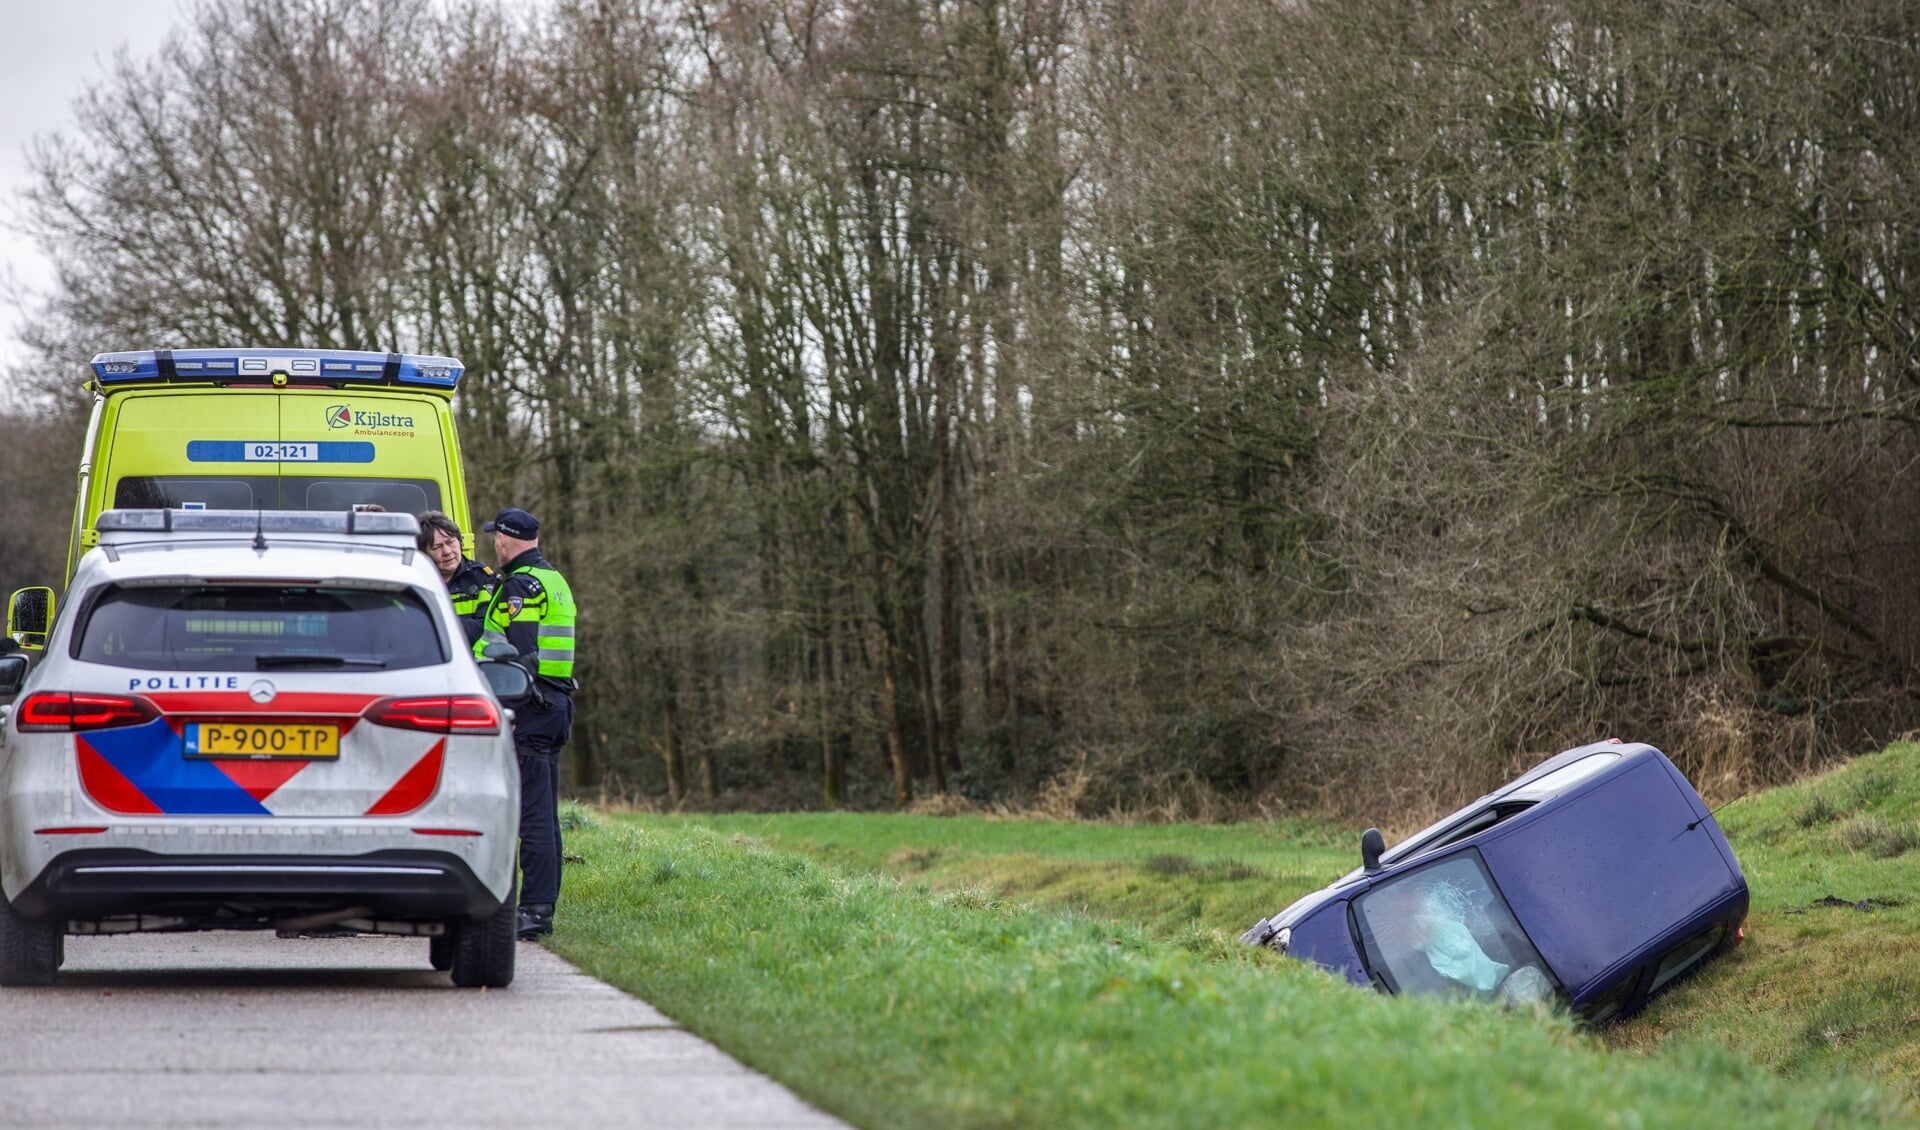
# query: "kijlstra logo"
[[344, 416]]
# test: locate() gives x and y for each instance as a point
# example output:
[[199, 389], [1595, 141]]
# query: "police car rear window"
[[274, 492], [258, 627]]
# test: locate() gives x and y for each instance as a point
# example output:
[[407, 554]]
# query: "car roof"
[[1528, 783], [1549, 778], [1543, 782]]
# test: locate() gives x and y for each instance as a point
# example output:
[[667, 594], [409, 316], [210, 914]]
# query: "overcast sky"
[[54, 48]]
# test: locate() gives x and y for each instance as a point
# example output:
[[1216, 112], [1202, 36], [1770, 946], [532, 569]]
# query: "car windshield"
[[249, 627], [1445, 929]]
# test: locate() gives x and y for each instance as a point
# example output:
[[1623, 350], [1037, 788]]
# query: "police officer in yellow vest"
[[468, 582], [530, 619]]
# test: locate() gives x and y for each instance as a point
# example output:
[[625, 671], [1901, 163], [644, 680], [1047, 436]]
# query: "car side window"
[[1616, 999], [1472, 825]]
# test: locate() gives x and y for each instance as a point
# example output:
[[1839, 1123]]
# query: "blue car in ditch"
[[1591, 882]]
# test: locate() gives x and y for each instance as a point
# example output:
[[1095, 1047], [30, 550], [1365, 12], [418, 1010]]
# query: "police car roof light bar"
[[250, 366], [243, 522]]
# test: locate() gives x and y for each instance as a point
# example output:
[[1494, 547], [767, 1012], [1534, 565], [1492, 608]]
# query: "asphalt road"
[[249, 1030]]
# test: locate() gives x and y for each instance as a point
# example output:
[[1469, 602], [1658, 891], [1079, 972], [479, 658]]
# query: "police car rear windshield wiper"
[[263, 662]]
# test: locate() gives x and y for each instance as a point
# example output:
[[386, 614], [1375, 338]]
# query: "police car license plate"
[[269, 739]]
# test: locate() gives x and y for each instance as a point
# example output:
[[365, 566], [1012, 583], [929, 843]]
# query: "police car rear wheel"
[[30, 952], [483, 951], [440, 951]]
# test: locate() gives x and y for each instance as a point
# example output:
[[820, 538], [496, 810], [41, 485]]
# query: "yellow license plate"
[[264, 739]]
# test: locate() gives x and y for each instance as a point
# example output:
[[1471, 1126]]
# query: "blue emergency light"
[[298, 366]]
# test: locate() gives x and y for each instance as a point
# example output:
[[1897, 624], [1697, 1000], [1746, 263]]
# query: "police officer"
[[468, 582], [531, 619]]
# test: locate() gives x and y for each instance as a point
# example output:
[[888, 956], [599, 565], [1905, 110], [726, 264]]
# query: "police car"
[[258, 720]]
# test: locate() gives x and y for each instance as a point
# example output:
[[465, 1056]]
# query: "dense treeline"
[[1146, 406]]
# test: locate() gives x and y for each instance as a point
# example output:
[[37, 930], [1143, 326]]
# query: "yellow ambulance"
[[261, 429]]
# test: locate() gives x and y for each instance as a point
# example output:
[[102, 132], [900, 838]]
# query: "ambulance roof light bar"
[[247, 366]]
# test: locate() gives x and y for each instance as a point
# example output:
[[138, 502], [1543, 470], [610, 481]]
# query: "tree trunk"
[[671, 752]]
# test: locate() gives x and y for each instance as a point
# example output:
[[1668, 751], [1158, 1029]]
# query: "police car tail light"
[[440, 714], [51, 712]]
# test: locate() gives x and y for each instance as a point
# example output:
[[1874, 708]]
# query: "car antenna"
[[259, 531], [1706, 818]]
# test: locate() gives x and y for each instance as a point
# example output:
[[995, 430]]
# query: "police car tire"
[[30, 952], [440, 951], [483, 951]]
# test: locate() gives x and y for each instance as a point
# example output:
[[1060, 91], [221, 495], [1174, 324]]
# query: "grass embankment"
[[1827, 981], [898, 1004], [1174, 880]]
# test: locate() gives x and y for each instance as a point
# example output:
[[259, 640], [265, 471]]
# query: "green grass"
[[1828, 980], [938, 1001], [1170, 879]]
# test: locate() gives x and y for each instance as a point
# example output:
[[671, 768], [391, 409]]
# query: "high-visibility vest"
[[552, 609]]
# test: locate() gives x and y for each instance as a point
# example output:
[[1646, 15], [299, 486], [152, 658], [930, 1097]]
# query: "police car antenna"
[[259, 531]]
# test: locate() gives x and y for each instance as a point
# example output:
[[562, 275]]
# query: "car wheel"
[[30, 952], [440, 949], [483, 951]]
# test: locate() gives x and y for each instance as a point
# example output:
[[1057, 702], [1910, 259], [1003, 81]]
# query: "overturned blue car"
[[1591, 882]]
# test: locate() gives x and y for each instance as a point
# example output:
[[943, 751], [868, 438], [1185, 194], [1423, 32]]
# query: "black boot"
[[536, 921]]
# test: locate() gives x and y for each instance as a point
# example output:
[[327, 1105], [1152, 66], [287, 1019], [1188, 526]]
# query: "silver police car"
[[250, 720]]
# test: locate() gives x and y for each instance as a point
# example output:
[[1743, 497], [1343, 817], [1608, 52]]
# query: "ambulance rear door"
[[192, 449], [343, 448]]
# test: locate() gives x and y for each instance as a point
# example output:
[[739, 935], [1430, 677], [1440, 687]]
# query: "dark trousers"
[[540, 734]]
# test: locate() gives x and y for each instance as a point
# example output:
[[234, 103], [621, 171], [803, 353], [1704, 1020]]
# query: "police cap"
[[515, 523]]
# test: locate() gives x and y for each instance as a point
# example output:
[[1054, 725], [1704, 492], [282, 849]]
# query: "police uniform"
[[471, 588], [532, 612]]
